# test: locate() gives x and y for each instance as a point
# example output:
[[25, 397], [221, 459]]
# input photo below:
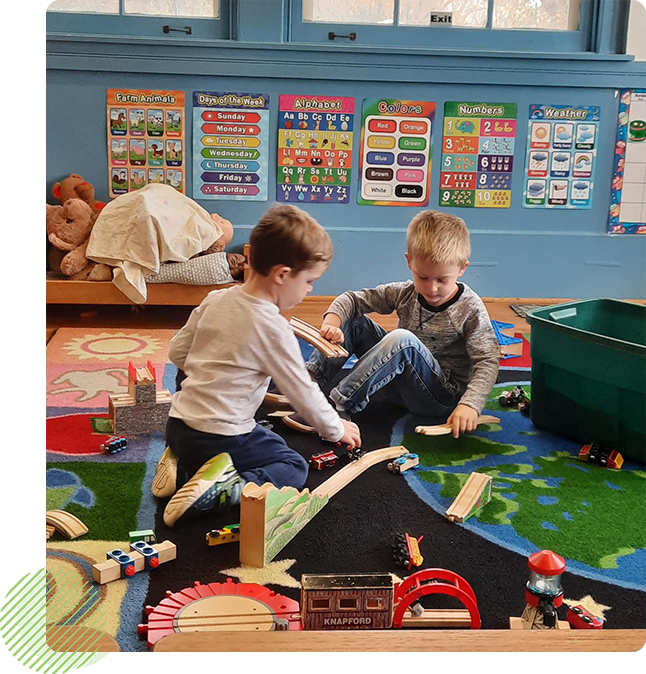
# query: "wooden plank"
[[446, 429], [74, 638], [387, 641]]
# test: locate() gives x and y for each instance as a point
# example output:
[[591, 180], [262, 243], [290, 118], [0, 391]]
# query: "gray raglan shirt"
[[459, 334]]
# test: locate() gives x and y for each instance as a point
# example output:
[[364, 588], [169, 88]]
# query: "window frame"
[[582, 40], [140, 25]]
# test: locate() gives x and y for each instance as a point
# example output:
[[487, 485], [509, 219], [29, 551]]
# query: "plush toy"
[[68, 230], [74, 187]]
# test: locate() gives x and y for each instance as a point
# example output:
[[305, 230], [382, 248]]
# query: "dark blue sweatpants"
[[260, 456]]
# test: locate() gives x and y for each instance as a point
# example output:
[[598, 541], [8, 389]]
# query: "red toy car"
[[580, 619], [596, 453], [324, 460]]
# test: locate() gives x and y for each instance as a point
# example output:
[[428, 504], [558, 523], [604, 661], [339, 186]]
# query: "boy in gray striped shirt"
[[442, 360]]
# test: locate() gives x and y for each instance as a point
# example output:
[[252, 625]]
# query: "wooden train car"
[[228, 534], [340, 602]]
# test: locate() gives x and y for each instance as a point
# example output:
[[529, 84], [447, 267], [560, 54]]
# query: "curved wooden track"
[[69, 525], [312, 336]]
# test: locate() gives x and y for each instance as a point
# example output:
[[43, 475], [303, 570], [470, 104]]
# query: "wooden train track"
[[69, 525], [271, 517], [312, 336], [446, 429], [473, 496]]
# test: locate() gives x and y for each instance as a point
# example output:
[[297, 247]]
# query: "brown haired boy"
[[442, 360], [230, 348]]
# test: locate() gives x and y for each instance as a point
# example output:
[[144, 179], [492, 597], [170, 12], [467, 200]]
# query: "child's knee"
[[399, 338]]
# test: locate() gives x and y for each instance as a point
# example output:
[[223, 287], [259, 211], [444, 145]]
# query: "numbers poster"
[[230, 146], [477, 154], [146, 132], [396, 152], [628, 191], [314, 149], [561, 156]]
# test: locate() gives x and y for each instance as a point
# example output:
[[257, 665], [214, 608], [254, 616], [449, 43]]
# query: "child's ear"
[[463, 269], [280, 272], [408, 261]]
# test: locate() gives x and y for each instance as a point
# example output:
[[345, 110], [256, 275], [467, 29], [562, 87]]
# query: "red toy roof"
[[547, 563]]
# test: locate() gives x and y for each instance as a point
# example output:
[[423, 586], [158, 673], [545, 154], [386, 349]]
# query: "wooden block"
[[110, 570]]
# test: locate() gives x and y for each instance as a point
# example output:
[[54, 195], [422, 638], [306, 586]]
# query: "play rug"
[[543, 497]]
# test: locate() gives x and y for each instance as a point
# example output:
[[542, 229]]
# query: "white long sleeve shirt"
[[230, 348]]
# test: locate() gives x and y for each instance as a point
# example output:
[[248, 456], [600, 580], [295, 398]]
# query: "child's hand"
[[352, 435], [463, 419], [332, 333]]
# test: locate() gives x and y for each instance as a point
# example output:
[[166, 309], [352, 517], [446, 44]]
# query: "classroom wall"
[[636, 45], [516, 252]]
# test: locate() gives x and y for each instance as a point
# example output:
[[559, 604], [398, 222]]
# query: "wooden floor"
[[174, 317]]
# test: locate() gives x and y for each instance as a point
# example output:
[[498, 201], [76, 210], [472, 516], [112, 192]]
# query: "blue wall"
[[516, 252]]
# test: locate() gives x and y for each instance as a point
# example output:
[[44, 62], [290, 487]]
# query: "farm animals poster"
[[146, 139]]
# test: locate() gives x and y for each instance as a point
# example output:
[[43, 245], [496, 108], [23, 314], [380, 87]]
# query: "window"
[[348, 603], [527, 25], [375, 603], [320, 604], [195, 18]]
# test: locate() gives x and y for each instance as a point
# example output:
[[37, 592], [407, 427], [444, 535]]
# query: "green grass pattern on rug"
[[117, 488]]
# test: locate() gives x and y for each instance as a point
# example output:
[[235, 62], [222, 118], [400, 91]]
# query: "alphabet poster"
[[230, 146], [314, 149], [561, 156], [477, 154], [628, 192], [146, 132], [396, 152]]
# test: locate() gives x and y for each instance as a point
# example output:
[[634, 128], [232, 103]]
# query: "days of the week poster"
[[396, 152], [628, 192], [230, 146], [146, 131], [477, 154], [561, 156], [314, 149]]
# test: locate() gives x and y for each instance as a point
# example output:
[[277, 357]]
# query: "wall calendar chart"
[[628, 191], [477, 154]]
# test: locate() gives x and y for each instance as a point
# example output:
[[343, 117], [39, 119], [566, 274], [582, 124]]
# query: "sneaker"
[[165, 480], [214, 488]]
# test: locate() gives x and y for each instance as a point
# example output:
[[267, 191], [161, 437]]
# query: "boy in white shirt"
[[230, 348]]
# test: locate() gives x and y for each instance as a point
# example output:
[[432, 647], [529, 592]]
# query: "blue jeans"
[[260, 456], [396, 361]]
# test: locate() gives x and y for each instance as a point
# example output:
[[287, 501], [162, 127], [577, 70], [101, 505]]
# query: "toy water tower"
[[543, 593]]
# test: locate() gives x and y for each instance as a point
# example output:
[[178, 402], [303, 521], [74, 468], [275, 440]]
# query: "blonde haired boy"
[[230, 348], [442, 360]]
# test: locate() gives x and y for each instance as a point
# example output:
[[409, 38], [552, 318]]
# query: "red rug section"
[[72, 434]]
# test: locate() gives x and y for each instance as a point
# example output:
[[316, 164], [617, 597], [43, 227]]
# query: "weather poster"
[[561, 156], [477, 154], [146, 139], [396, 152], [230, 146], [314, 149]]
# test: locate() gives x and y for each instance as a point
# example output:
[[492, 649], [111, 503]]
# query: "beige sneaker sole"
[[165, 480]]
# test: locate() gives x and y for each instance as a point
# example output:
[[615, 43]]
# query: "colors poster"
[[396, 152]]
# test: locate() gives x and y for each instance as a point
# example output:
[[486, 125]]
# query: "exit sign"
[[442, 17]]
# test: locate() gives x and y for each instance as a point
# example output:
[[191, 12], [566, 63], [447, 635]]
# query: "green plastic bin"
[[589, 373]]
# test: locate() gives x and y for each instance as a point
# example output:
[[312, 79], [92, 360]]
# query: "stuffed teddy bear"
[[68, 230], [74, 187]]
